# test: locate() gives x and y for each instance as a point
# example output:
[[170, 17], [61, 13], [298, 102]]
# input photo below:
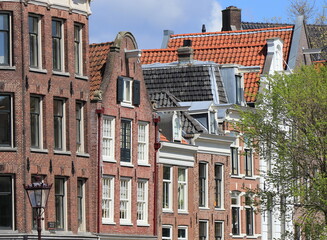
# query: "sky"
[[147, 19]]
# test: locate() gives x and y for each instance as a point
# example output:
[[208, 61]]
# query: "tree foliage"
[[309, 9], [288, 128]]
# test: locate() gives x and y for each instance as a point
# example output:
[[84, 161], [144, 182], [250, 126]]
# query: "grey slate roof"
[[164, 98], [317, 35], [186, 82]]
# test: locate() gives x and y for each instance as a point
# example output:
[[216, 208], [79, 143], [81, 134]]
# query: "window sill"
[[64, 74], [106, 159], [183, 212], [39, 150], [126, 164], [38, 70], [144, 164], [84, 155], [12, 68], [85, 78], [59, 152], [8, 149], [220, 209], [108, 222], [126, 223], [167, 211], [204, 208], [236, 176], [127, 105], [250, 178], [143, 225]]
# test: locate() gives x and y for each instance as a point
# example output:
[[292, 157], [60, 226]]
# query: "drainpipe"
[[156, 120], [99, 112]]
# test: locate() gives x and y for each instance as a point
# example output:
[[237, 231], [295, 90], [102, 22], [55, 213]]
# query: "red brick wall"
[[15, 163]]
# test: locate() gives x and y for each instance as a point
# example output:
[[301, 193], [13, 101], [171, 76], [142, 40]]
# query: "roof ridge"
[[174, 36], [100, 44]]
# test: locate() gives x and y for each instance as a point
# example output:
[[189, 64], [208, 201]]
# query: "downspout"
[[99, 112], [156, 120]]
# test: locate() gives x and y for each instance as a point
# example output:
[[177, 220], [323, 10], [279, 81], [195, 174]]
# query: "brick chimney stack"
[[231, 19]]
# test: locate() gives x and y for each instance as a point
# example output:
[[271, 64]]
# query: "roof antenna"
[[204, 28]]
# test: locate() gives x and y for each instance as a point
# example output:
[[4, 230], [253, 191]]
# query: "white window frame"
[[79, 51], [248, 153], [11, 143], [170, 232], [142, 201], [40, 119], [222, 229], [168, 182], [126, 201], [62, 47], [186, 232], [64, 203], [108, 139], [80, 146], [207, 230], [206, 186], [221, 185], [63, 130], [143, 143], [81, 225], [177, 128], [237, 196], [127, 95], [10, 44], [233, 159], [184, 185], [38, 43], [130, 162], [249, 207], [108, 191], [12, 202]]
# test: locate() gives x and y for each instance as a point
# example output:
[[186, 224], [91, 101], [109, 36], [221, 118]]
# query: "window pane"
[[56, 45], [125, 140], [34, 44], [5, 120], [35, 121], [6, 202], [59, 198], [58, 123], [4, 39]]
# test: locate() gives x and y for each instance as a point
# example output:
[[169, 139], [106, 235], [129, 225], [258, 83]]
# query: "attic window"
[[177, 129], [239, 95], [128, 91]]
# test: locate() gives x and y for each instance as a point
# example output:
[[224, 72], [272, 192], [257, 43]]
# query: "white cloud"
[[147, 19]]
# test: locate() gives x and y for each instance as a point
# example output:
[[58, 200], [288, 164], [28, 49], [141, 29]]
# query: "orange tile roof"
[[164, 139], [245, 47], [98, 54]]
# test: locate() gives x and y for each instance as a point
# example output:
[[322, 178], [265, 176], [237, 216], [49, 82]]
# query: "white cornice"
[[177, 154], [214, 144]]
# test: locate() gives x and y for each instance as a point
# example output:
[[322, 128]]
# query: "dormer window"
[[128, 91], [239, 93], [177, 129]]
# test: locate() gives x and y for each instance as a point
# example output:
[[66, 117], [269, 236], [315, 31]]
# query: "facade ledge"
[[8, 149], [39, 150], [81, 77], [84, 155], [63, 74], [38, 70], [60, 152], [11, 68]]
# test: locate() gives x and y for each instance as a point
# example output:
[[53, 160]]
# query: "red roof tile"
[[245, 47], [98, 55]]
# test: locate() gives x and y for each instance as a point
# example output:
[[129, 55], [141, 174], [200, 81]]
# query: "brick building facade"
[[123, 126], [44, 102]]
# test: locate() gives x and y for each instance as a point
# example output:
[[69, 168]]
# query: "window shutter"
[[120, 89], [136, 92]]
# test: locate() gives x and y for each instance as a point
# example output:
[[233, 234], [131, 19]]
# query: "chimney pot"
[[204, 28]]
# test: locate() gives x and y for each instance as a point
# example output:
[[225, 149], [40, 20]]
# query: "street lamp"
[[38, 193]]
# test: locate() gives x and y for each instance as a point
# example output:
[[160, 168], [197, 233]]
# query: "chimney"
[[231, 19], [185, 53], [166, 37], [204, 28]]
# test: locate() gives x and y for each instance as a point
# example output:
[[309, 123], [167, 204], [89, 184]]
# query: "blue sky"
[[146, 19]]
